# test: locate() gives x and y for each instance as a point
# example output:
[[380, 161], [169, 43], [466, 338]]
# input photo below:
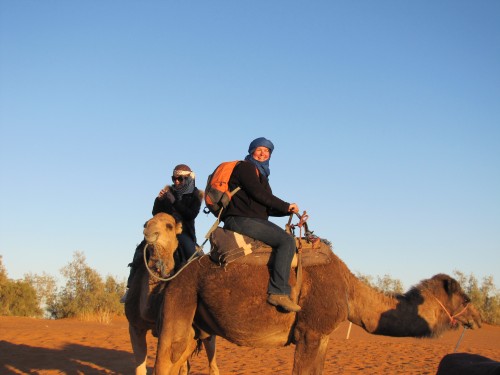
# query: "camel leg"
[[139, 347], [176, 340], [209, 345], [172, 356], [310, 352], [184, 370]]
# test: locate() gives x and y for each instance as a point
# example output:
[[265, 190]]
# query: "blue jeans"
[[186, 248], [282, 243]]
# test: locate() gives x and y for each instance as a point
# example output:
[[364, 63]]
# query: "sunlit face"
[[261, 153]]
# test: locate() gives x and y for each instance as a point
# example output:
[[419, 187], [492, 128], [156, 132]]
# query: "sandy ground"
[[36, 346]]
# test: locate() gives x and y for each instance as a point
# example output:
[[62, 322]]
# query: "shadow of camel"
[[71, 359], [408, 315]]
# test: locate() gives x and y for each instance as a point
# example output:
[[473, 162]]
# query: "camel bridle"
[[160, 265], [453, 321]]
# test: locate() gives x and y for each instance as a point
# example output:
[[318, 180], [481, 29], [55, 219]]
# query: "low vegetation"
[[86, 295]]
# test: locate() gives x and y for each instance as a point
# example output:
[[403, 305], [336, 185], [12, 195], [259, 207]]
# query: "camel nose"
[[151, 238]]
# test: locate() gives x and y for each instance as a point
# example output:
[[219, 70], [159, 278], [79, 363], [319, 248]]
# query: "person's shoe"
[[283, 301], [124, 297]]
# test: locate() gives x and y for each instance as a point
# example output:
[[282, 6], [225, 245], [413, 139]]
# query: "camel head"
[[160, 233], [452, 300]]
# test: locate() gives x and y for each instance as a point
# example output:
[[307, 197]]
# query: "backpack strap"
[[217, 220]]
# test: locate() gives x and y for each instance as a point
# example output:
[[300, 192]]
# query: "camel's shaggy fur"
[[231, 302]]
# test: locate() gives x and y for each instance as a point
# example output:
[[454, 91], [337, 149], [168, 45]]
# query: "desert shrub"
[[85, 295], [385, 284], [3, 273], [17, 297], [45, 286]]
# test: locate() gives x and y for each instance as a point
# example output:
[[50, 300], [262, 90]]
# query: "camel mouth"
[[151, 238], [474, 324], [161, 267], [158, 268], [161, 273], [469, 323]]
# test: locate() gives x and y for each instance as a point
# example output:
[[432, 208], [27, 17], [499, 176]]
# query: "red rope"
[[453, 321]]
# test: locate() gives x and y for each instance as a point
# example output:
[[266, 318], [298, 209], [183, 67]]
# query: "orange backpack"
[[217, 194]]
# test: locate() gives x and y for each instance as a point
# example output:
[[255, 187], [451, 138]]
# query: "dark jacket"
[[255, 199], [184, 210]]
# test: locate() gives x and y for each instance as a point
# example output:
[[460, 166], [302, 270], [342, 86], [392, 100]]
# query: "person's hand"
[[293, 208], [162, 193], [166, 193]]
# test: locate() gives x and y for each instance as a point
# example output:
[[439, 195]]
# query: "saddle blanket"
[[228, 246]]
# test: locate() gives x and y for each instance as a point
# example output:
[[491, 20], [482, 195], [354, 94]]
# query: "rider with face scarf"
[[182, 200], [248, 213]]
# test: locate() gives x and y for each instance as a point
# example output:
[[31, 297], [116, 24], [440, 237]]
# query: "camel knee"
[[181, 348], [177, 349]]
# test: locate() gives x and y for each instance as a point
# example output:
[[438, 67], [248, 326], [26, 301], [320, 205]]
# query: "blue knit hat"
[[258, 142]]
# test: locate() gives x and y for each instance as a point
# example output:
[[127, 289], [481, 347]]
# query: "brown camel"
[[231, 302], [145, 295]]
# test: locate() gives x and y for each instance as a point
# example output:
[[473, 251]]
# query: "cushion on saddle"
[[228, 246]]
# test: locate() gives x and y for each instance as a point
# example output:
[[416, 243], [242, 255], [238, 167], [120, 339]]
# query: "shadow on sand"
[[71, 359]]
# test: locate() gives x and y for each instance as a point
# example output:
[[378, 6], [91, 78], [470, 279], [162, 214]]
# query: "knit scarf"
[[186, 188]]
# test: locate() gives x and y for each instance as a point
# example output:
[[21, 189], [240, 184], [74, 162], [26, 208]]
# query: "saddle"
[[228, 247]]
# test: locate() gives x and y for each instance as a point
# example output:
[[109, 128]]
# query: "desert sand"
[[37, 346]]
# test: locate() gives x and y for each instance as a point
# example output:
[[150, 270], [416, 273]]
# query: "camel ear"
[[451, 286], [178, 228]]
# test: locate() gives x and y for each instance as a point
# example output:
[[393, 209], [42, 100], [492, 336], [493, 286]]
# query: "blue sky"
[[385, 118]]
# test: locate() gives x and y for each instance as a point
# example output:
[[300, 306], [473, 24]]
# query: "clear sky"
[[385, 117]]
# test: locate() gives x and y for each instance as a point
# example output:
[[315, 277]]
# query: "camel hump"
[[228, 246]]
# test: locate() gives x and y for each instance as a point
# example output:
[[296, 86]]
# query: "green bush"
[[385, 284], [17, 298], [85, 294]]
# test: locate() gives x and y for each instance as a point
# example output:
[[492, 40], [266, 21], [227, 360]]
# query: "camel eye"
[[466, 300], [170, 227]]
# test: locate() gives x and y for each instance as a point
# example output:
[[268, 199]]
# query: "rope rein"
[[155, 276], [453, 321]]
